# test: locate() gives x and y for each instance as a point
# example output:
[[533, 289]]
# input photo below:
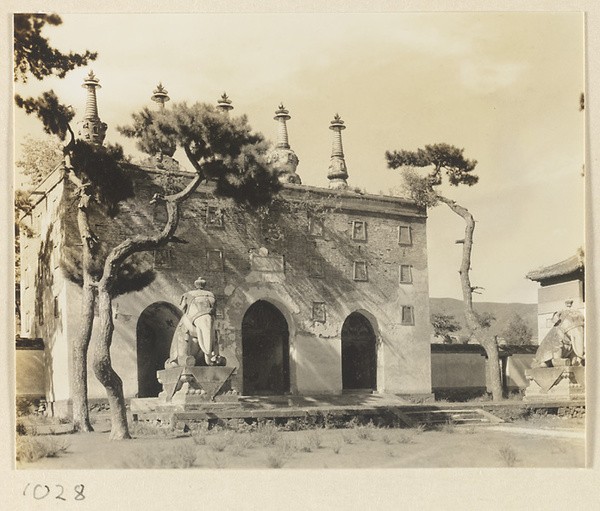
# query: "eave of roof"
[[572, 265]]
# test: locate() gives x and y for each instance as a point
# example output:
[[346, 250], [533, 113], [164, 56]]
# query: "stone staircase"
[[431, 416]]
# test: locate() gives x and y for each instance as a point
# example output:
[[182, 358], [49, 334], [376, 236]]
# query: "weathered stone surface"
[[558, 383], [184, 384]]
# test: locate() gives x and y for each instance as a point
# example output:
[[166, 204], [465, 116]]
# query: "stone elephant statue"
[[195, 338], [566, 340]]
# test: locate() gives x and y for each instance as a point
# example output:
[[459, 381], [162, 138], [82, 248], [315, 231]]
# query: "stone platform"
[[555, 383], [407, 409], [196, 384]]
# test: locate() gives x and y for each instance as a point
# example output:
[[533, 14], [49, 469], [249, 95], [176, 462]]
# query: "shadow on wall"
[[154, 332], [47, 315]]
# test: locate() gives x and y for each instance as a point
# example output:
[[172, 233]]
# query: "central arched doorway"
[[265, 350], [154, 333], [359, 354]]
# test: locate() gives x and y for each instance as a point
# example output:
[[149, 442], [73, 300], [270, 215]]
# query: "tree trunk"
[[81, 419], [489, 343], [104, 370], [102, 362]]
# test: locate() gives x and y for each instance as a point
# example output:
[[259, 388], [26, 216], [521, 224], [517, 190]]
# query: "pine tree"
[[446, 159]]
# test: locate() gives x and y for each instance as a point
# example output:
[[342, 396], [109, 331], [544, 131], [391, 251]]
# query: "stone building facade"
[[319, 293], [323, 291]]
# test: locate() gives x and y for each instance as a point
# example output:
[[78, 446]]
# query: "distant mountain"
[[503, 313]]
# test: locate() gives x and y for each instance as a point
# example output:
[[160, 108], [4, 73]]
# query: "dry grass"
[[267, 434], [508, 455], [142, 428], [34, 448], [151, 456], [348, 437], [279, 454], [217, 443], [405, 438], [336, 445], [365, 432]]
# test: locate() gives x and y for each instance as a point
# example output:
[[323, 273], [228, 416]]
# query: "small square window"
[[316, 268], [408, 315], [404, 235], [360, 271], [214, 260], [162, 258], [405, 274], [315, 226], [318, 312], [359, 230], [214, 216]]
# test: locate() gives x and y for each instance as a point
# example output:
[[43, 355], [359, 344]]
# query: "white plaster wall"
[[318, 365]]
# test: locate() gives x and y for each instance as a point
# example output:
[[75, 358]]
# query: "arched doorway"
[[154, 333], [359, 354], [265, 350]]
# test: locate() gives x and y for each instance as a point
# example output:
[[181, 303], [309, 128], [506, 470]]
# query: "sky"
[[503, 86]]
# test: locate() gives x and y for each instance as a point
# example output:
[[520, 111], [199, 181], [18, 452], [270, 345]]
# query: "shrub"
[[508, 455], [365, 432], [218, 461], [267, 433], [21, 429], [511, 413], [275, 459], [245, 441], [405, 439], [143, 428], [419, 428], [31, 449], [199, 434], [336, 445], [447, 427], [348, 437], [314, 438], [218, 444], [277, 456]]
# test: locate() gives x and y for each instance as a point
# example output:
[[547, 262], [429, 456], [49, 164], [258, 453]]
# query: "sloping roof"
[[568, 266]]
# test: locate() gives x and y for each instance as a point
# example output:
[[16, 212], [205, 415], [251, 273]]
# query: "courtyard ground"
[[539, 441]]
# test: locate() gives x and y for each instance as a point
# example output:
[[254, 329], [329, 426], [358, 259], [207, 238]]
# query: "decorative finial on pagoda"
[[281, 116], [282, 159], [160, 95], [224, 104], [337, 174], [92, 129]]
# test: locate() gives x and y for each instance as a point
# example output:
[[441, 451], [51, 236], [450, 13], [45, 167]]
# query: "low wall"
[[458, 371]]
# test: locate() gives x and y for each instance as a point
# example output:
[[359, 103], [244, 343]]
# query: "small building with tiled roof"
[[559, 282]]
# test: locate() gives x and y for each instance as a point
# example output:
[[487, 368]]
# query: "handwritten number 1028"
[[42, 491]]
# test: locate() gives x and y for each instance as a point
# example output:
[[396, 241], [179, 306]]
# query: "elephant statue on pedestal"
[[195, 341], [565, 342]]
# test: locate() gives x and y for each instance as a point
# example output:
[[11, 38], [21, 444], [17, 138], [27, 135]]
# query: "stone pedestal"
[[555, 383], [196, 385]]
